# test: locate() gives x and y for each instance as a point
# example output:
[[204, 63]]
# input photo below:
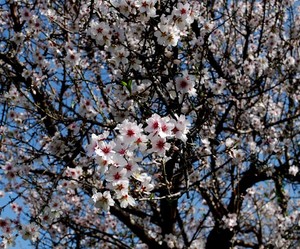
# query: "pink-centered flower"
[[131, 167], [185, 84], [102, 165], [147, 7], [123, 151], [141, 142], [116, 174], [130, 131], [159, 145], [153, 123], [95, 140], [167, 35], [120, 188], [126, 200], [181, 127], [166, 127], [105, 150]]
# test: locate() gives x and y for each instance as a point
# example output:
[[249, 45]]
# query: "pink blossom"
[[102, 200], [130, 131], [105, 150], [181, 127], [116, 174], [153, 124], [94, 143], [159, 145], [167, 35], [166, 127], [185, 84], [120, 187], [126, 200], [30, 232]]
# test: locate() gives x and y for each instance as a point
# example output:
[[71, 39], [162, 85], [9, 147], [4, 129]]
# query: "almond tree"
[[150, 123]]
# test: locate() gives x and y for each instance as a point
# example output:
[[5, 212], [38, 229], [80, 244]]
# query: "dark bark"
[[219, 238], [168, 207]]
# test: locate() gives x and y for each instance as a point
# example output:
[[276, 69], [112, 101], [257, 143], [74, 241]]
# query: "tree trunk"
[[219, 238]]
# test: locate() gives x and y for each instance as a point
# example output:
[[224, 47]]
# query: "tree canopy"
[[150, 123]]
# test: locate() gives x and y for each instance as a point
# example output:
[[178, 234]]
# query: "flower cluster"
[[30, 231], [172, 27], [230, 221], [119, 159]]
